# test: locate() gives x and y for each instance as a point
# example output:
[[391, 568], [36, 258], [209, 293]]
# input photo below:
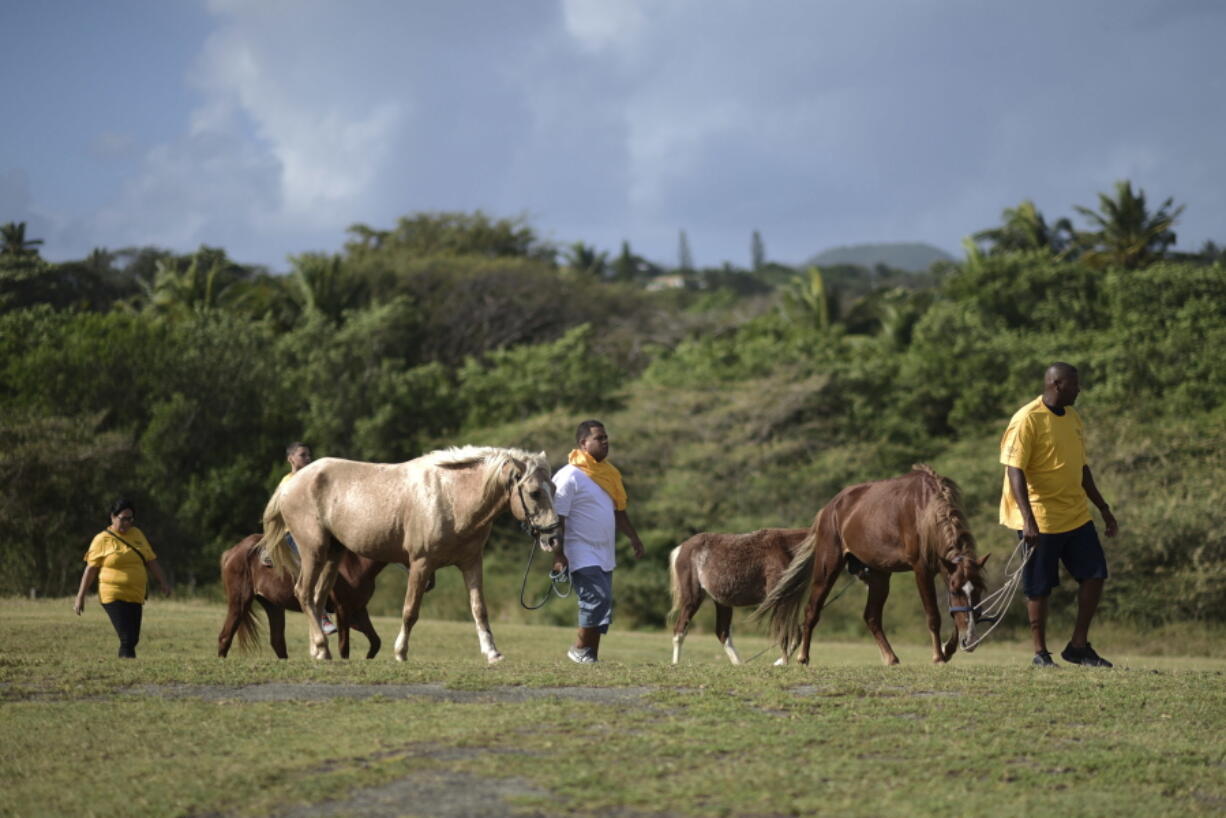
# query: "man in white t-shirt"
[[591, 502]]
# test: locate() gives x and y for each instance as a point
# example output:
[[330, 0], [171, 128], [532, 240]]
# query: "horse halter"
[[973, 610], [526, 524]]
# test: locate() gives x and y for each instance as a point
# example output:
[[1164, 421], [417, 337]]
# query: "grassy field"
[[181, 732]]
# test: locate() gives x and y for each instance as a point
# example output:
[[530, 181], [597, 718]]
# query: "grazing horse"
[[908, 523], [734, 570], [247, 580], [429, 512]]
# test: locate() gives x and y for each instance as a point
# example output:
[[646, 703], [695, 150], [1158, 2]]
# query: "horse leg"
[[235, 610], [415, 588], [276, 627], [472, 572], [306, 591], [687, 609], [342, 630], [360, 622], [331, 564], [723, 631], [824, 575], [932, 612], [878, 592]]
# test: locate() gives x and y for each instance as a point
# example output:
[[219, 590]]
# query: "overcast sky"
[[269, 126]]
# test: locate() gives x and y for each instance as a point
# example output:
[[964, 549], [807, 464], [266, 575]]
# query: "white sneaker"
[[582, 656], [325, 622]]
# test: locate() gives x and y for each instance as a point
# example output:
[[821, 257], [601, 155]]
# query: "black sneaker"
[[1083, 656], [1043, 659]]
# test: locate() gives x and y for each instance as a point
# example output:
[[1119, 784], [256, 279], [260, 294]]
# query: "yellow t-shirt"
[[1050, 449], [123, 576]]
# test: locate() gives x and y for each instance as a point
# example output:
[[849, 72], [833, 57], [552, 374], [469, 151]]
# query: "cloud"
[[818, 124]]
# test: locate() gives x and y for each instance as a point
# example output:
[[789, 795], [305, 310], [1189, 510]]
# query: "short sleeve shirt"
[[591, 528], [122, 577], [1050, 450]]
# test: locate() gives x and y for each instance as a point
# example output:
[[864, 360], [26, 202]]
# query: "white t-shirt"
[[591, 529]]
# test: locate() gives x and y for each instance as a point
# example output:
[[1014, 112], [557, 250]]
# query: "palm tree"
[[1127, 234], [585, 260], [206, 283], [322, 285], [1024, 228], [13, 241]]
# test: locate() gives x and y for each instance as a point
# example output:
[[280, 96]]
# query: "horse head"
[[964, 575], [531, 493]]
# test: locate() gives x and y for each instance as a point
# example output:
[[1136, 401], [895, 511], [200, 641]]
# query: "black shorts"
[[1079, 550]]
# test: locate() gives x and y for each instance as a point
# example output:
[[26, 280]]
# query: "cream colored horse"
[[430, 512]]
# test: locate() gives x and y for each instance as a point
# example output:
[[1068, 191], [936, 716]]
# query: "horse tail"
[[784, 601], [273, 542], [240, 594], [674, 583]]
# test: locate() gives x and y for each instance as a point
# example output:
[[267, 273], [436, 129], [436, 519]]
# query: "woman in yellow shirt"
[[120, 558]]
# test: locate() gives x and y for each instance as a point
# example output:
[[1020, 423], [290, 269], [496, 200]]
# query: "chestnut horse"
[[247, 580], [908, 523], [734, 570], [429, 512]]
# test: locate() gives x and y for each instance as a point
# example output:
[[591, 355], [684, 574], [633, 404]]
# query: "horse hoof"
[[781, 662], [494, 658]]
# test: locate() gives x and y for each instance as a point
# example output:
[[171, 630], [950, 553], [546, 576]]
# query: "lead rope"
[[994, 605], [557, 579]]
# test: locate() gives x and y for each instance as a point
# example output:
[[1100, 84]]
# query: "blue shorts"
[[594, 588], [1079, 550]]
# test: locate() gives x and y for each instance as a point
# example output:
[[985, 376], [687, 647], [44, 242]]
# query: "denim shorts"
[[594, 588], [1079, 550]]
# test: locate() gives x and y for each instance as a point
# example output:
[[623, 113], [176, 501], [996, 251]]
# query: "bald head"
[[1059, 371], [1060, 385]]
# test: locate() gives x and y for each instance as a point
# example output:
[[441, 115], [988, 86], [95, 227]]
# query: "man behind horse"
[[1047, 483], [591, 502]]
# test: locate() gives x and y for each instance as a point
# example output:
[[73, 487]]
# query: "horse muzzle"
[[546, 535]]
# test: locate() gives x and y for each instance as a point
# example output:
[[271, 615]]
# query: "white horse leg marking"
[[402, 645], [969, 636], [731, 651], [678, 639], [487, 645], [781, 661]]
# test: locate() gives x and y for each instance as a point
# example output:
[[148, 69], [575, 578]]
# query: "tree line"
[[744, 395]]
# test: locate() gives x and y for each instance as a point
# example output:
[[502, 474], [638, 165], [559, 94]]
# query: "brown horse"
[[734, 569], [430, 512], [247, 580], [908, 523]]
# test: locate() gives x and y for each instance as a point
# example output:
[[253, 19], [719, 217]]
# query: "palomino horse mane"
[[943, 526], [459, 457]]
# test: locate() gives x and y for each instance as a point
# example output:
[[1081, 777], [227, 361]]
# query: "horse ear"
[[982, 560]]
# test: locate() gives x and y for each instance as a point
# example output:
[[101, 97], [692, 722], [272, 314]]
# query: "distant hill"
[[911, 256]]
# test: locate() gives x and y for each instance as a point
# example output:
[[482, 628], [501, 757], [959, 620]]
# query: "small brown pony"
[[908, 523], [426, 513], [247, 580], [734, 569]]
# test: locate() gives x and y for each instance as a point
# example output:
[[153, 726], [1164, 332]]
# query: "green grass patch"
[[181, 732]]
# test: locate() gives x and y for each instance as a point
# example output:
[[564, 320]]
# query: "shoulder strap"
[[129, 545]]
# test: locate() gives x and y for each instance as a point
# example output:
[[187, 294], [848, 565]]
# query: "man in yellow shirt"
[[1047, 486]]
